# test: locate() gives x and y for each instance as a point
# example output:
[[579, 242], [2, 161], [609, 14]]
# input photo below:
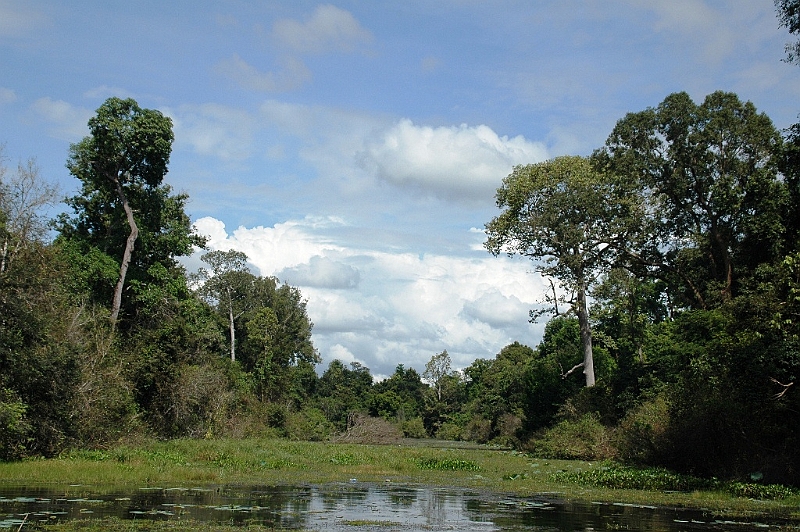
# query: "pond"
[[351, 506]]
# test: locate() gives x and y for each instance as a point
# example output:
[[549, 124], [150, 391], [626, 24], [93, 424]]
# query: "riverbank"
[[193, 463]]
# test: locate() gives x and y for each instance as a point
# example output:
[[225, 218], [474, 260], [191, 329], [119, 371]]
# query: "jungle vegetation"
[[673, 338]]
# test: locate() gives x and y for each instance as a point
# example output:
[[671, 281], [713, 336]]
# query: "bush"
[[13, 426], [639, 438], [582, 439], [201, 400], [251, 418], [413, 428], [508, 428], [309, 424], [479, 429], [449, 431]]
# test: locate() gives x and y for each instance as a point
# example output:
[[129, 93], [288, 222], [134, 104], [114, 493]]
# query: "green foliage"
[[400, 397], [616, 476], [640, 437], [715, 204], [123, 201], [413, 428], [582, 439], [447, 464], [14, 428], [343, 391], [449, 430], [789, 17], [768, 492], [309, 424]]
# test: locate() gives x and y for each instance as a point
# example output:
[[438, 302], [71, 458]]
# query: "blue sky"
[[353, 148]]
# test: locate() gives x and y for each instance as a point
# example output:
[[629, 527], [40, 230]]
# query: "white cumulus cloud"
[[383, 308], [322, 272], [457, 162]]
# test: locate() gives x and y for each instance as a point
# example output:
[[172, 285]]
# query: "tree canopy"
[[572, 221], [123, 201]]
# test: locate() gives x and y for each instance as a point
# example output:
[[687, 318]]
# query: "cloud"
[[328, 29], [460, 163], [389, 307], [273, 249], [496, 309], [214, 130], [322, 272], [292, 75], [67, 122]]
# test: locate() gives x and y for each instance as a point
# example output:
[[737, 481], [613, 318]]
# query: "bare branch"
[[574, 368], [784, 386]]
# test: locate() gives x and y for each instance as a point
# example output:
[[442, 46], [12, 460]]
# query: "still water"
[[351, 506]]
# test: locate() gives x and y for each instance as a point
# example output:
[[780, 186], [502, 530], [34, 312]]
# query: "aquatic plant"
[[447, 464]]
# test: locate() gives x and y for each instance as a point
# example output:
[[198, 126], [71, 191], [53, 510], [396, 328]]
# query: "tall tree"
[[276, 336], [124, 157], [437, 368], [709, 175], [572, 220], [226, 284]]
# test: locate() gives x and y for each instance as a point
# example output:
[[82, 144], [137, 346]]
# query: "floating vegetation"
[[447, 464], [617, 476]]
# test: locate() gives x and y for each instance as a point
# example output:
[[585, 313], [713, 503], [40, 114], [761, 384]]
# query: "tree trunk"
[[3, 256], [230, 324], [586, 334], [126, 256]]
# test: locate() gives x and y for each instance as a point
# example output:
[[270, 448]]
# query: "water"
[[351, 506]]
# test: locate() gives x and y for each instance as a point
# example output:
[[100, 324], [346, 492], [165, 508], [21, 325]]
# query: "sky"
[[352, 149]]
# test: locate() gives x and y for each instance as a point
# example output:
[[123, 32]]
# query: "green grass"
[[197, 463]]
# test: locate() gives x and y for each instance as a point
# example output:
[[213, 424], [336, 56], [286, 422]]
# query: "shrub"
[[639, 438], [309, 424], [413, 428], [13, 426], [449, 431], [582, 439], [508, 428], [479, 429]]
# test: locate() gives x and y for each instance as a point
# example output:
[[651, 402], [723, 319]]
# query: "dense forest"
[[673, 336]]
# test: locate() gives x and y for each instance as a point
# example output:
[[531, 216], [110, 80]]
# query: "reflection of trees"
[[402, 497], [332, 499], [436, 511]]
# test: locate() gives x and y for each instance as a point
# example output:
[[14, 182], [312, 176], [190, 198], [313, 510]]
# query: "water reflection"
[[350, 506]]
